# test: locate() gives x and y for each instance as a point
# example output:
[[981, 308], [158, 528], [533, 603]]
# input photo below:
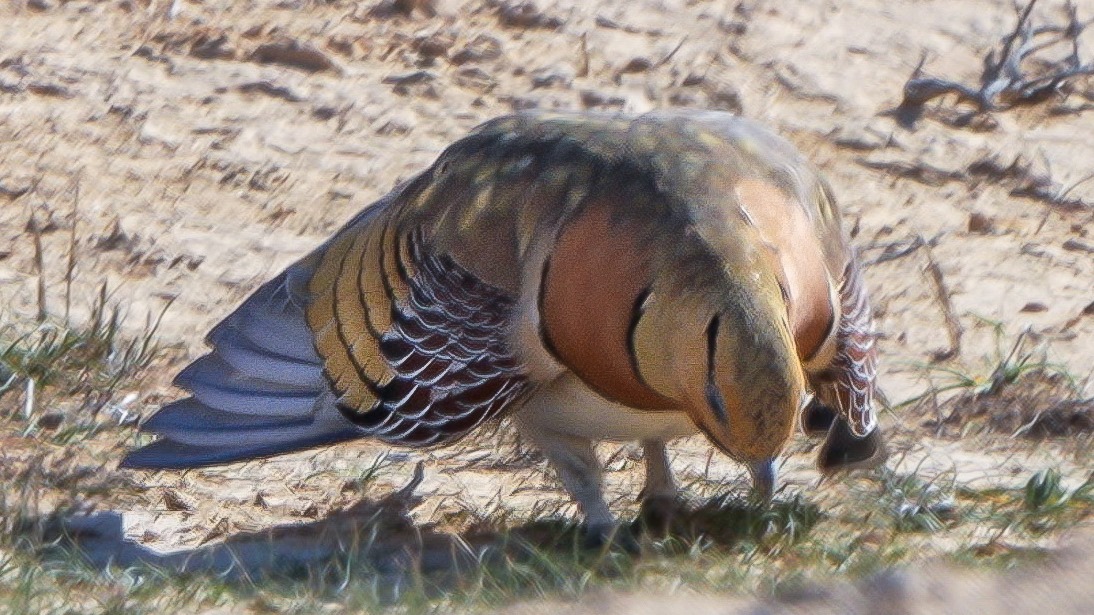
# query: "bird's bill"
[[763, 478]]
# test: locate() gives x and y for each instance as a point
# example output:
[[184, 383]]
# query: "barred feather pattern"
[[855, 363], [447, 349]]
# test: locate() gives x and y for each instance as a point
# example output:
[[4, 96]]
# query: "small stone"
[[13, 192], [434, 45], [475, 78], [527, 15], [726, 98], [294, 54], [1034, 306], [637, 65], [173, 500], [592, 98], [555, 76], [693, 79], [414, 78], [523, 103], [479, 49], [684, 98], [344, 45], [212, 47], [1074, 245], [405, 8], [324, 112], [115, 239], [51, 90], [1032, 250], [51, 420], [980, 224]]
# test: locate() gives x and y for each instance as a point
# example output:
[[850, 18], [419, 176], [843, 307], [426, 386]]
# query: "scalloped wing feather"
[[416, 348]]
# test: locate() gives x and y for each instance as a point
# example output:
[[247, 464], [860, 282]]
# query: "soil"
[[187, 151]]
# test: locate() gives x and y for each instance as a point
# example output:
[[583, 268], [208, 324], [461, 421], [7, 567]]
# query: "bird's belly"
[[568, 406]]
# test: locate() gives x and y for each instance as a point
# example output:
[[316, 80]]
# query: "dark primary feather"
[[265, 388], [260, 392]]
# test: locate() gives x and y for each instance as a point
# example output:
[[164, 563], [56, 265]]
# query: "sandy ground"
[[938, 589], [199, 147]]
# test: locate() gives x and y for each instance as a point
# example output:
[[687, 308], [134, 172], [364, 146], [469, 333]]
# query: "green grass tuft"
[[67, 374]]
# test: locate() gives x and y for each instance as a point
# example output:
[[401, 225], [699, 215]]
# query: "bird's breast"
[[567, 405]]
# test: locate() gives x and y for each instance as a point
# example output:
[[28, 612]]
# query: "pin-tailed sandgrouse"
[[590, 277]]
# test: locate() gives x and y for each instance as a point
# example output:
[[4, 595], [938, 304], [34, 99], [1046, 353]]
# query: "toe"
[[610, 537], [657, 514]]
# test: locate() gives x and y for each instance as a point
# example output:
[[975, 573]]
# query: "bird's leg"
[[659, 493], [574, 460], [659, 481]]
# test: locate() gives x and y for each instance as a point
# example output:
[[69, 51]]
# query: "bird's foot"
[[611, 537], [658, 514], [843, 450]]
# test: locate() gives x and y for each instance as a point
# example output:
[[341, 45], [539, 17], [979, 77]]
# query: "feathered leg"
[[574, 460], [659, 496]]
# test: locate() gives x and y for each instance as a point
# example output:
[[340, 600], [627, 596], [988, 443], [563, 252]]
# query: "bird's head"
[[723, 349]]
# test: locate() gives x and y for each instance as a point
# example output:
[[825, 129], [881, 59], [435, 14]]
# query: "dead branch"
[[39, 264], [954, 330], [898, 249], [916, 171], [1007, 79], [1024, 181]]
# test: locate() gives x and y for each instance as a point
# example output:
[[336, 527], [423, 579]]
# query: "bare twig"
[[915, 171], [29, 399], [407, 492], [899, 249], [665, 60], [1023, 181], [1004, 83], [954, 330], [71, 268], [39, 264], [583, 61]]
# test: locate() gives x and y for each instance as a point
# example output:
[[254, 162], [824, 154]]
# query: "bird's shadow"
[[380, 537]]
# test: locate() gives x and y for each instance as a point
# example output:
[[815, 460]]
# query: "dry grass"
[[222, 142], [1020, 393], [66, 415], [63, 548]]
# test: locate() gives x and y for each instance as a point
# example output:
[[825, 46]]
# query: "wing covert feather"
[[420, 334]]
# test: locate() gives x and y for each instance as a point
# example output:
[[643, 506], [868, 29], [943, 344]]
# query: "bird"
[[588, 276]]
